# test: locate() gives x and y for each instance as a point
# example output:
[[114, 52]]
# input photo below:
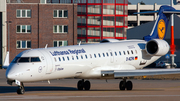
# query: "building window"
[[23, 29], [23, 44], [60, 43], [60, 29], [23, 13], [60, 13]]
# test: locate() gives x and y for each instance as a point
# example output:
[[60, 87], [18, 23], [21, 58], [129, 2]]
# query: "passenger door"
[[49, 62]]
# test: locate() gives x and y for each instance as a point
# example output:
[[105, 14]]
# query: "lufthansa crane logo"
[[161, 29]]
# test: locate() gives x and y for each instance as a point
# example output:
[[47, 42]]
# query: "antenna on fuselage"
[[46, 46], [79, 43]]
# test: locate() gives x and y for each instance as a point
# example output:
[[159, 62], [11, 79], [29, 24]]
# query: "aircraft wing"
[[142, 72]]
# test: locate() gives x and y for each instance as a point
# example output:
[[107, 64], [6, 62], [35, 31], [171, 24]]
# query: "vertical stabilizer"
[[160, 27]]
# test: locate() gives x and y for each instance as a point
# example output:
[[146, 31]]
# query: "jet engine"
[[157, 47]]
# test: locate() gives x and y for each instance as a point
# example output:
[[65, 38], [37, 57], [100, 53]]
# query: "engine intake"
[[157, 47]]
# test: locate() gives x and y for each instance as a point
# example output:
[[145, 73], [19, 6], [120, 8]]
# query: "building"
[[35, 23], [136, 20], [101, 19], [2, 30], [145, 24]]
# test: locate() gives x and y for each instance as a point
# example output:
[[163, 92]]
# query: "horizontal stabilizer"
[[172, 12], [143, 72], [149, 12]]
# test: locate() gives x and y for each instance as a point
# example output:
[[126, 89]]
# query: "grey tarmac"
[[65, 90]]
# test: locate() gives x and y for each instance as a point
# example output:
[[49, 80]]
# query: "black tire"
[[129, 85], [87, 85], [122, 86], [20, 91], [80, 85]]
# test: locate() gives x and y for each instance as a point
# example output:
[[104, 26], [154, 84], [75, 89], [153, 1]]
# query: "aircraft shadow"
[[10, 89], [13, 89]]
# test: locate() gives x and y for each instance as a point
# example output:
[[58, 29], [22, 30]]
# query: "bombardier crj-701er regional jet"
[[108, 59]]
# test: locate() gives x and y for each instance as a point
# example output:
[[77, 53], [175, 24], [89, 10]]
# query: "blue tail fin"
[[160, 27]]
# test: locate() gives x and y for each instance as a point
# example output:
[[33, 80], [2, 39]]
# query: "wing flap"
[[143, 72]]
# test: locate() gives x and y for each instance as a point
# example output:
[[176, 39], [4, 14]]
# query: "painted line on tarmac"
[[66, 97]]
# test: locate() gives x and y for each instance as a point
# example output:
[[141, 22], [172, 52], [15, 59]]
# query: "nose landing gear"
[[20, 89], [81, 84]]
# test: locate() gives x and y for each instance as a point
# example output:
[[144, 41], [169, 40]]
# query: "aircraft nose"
[[10, 76]]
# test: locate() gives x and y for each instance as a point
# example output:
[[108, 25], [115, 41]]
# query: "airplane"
[[108, 59]]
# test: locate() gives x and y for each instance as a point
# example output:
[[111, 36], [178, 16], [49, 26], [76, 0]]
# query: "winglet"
[[6, 62]]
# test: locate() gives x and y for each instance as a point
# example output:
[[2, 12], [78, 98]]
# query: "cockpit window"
[[35, 59], [26, 59], [15, 59]]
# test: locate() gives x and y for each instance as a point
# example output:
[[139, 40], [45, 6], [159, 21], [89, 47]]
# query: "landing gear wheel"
[[122, 85], [129, 85], [87, 85], [20, 90], [80, 85]]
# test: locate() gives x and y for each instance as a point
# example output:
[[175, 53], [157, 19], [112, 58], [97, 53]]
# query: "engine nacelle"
[[157, 47]]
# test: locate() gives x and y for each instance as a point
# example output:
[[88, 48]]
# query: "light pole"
[[172, 46], [8, 22]]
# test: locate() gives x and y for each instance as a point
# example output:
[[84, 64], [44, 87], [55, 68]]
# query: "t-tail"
[[159, 30]]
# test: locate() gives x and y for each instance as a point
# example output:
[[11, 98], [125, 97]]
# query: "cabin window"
[[111, 53], [107, 54], [81, 57], [136, 51], [128, 52], [119, 53], [68, 57], [95, 55], [86, 56], [77, 57], [55, 59], [99, 55], [115, 53], [72, 57], [63, 58], [90, 56], [132, 51], [103, 54], [59, 59], [124, 52]]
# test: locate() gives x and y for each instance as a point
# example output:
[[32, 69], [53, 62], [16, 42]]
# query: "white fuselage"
[[80, 61]]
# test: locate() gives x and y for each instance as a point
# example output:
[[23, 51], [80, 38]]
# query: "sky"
[[150, 2]]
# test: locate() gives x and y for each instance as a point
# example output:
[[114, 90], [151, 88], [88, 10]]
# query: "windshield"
[[26, 59]]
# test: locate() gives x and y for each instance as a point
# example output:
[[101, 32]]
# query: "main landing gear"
[[87, 85], [81, 84], [125, 85]]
